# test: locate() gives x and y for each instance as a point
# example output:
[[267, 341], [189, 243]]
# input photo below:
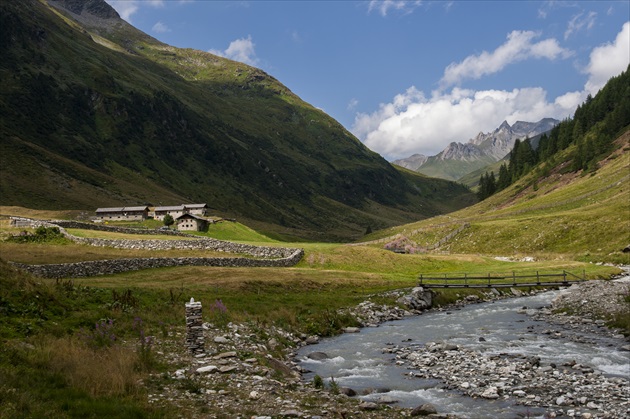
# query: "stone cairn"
[[194, 330]]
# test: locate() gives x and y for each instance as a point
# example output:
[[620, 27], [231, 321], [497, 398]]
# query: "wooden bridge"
[[563, 279]]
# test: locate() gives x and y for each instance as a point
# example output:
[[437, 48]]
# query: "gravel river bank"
[[245, 372]]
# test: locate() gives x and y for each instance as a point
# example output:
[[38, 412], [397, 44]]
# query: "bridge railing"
[[458, 280]]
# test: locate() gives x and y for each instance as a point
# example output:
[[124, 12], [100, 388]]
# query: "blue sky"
[[410, 76]]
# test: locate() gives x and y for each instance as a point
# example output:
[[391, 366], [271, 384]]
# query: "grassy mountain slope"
[[453, 169], [97, 113], [550, 213]]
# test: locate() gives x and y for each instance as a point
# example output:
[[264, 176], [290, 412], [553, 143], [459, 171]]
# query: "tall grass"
[[106, 371]]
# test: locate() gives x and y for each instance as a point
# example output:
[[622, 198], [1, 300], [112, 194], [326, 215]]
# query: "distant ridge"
[[459, 159]]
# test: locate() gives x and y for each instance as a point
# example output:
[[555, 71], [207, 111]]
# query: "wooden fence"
[[564, 279]]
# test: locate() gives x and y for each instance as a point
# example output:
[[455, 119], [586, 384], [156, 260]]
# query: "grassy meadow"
[[58, 357]]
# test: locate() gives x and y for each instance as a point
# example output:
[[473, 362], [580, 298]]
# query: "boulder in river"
[[317, 356], [417, 299], [424, 410]]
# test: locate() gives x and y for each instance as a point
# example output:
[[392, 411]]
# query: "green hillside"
[[566, 215], [452, 169], [567, 198], [98, 113]]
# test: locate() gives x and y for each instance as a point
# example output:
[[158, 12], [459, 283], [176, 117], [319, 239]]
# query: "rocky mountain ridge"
[[458, 159]]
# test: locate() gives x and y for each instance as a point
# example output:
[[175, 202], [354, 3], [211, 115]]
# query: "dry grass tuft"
[[108, 371]]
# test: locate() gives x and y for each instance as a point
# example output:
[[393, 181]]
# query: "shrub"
[[219, 314], [41, 235], [146, 357], [318, 382], [101, 336]]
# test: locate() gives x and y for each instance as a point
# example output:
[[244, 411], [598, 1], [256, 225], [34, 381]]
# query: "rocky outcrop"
[[97, 8], [417, 299]]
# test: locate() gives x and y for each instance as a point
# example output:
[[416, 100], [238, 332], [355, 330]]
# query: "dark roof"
[[196, 205], [171, 208], [191, 216], [117, 209], [122, 209]]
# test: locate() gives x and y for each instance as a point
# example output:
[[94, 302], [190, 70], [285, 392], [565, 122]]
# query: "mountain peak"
[[96, 8], [504, 126]]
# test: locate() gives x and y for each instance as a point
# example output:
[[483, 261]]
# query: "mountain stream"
[[358, 360]]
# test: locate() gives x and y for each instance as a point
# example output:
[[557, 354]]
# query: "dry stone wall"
[[260, 256]]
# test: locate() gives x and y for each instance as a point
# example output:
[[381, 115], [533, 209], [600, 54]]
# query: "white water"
[[357, 361]]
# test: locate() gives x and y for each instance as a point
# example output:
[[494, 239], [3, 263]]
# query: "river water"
[[357, 360]]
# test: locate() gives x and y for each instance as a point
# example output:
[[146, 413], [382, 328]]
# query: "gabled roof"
[[116, 209], [122, 209], [171, 208], [196, 217], [196, 205]]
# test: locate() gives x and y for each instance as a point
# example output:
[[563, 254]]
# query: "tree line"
[[594, 127]]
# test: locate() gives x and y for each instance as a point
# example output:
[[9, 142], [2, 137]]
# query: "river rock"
[[417, 299], [490, 393], [424, 410], [347, 391], [368, 406], [311, 340], [224, 355], [207, 369], [318, 356]]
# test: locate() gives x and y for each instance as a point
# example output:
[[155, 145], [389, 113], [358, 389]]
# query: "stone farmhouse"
[[176, 211], [187, 216], [123, 213], [191, 222]]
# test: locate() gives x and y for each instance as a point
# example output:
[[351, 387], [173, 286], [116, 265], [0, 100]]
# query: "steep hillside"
[[562, 214], [566, 198], [96, 113]]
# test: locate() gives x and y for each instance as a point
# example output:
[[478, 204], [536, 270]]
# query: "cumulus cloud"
[[412, 123], [160, 27], [385, 6], [608, 60], [580, 22], [518, 47], [240, 50]]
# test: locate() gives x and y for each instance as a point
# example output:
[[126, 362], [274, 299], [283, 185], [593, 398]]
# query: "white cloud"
[[518, 47], [384, 6], [160, 27], [608, 60], [412, 123], [352, 105], [240, 50], [580, 22]]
